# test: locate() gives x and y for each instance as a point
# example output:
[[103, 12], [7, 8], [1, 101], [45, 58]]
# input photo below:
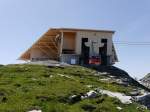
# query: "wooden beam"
[[45, 52], [49, 41], [54, 43], [54, 51], [51, 49], [46, 42], [61, 43], [40, 44]]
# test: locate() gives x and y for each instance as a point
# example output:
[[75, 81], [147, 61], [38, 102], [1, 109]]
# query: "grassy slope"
[[25, 87]]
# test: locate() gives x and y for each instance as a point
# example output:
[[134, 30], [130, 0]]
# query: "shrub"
[[88, 107]]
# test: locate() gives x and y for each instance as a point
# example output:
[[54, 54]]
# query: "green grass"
[[26, 87]]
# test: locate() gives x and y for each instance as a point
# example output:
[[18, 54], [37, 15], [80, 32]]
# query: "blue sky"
[[24, 21]]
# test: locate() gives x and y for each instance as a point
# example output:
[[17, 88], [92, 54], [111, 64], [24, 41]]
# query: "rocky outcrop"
[[144, 100], [146, 81], [122, 76], [35, 111]]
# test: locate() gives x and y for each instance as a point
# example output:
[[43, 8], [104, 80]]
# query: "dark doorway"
[[103, 52], [85, 51]]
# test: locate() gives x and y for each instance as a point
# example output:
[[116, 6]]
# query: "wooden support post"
[[61, 43]]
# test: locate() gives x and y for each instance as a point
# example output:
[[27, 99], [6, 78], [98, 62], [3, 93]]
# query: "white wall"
[[95, 36]]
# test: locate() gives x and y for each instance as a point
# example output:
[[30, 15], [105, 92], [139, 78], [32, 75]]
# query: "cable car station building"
[[74, 46]]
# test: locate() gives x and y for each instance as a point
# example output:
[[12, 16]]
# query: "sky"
[[22, 22]]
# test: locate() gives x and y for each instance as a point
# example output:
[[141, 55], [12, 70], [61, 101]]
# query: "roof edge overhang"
[[77, 29]]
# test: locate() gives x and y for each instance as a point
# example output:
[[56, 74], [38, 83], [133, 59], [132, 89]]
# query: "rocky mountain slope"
[[146, 80], [28, 88]]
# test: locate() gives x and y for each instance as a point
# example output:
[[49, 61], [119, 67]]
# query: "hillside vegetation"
[[27, 87]]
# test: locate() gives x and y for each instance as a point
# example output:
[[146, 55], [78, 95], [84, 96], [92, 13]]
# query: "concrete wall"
[[94, 36], [68, 57]]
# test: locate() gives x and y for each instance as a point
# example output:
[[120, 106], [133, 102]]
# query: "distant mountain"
[[146, 80]]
